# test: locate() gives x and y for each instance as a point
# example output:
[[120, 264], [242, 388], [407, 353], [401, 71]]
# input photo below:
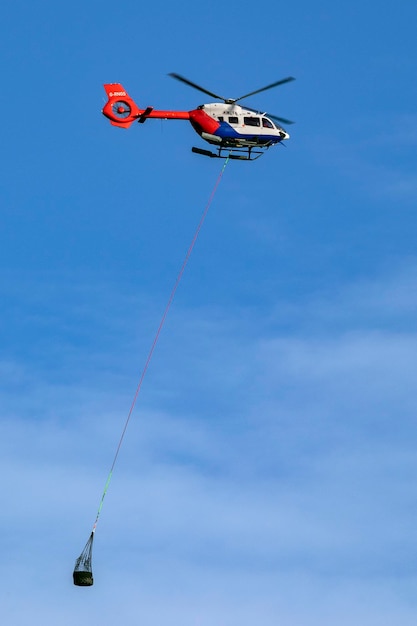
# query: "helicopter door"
[[252, 121]]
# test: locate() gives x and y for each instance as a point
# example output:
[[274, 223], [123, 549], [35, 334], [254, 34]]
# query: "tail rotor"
[[121, 109]]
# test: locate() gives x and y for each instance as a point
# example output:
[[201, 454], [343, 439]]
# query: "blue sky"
[[268, 472]]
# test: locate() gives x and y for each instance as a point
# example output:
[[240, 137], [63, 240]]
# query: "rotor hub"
[[121, 109]]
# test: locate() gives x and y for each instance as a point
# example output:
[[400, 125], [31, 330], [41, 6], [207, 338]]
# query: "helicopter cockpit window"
[[266, 123], [233, 120], [252, 121]]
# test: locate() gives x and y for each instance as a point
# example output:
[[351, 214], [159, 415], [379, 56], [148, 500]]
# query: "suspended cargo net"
[[83, 572]]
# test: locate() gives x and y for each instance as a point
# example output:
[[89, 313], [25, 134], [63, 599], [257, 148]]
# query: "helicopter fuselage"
[[233, 125]]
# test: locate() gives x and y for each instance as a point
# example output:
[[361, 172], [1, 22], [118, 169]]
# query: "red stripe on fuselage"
[[202, 122]]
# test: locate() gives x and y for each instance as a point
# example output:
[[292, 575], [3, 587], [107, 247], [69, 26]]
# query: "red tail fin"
[[120, 108]]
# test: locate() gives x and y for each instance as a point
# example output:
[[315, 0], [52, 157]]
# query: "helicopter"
[[240, 132]]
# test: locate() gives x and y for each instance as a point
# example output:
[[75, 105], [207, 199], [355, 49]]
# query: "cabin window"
[[233, 120], [266, 123], [252, 121], [221, 118]]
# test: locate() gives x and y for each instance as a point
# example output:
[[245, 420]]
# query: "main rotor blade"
[[279, 82], [280, 119], [191, 84]]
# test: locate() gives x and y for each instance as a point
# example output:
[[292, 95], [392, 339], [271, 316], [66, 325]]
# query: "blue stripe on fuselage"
[[226, 131]]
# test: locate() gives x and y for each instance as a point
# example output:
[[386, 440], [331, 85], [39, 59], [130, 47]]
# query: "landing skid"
[[241, 154]]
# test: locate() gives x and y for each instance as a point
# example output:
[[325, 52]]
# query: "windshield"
[[266, 123]]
